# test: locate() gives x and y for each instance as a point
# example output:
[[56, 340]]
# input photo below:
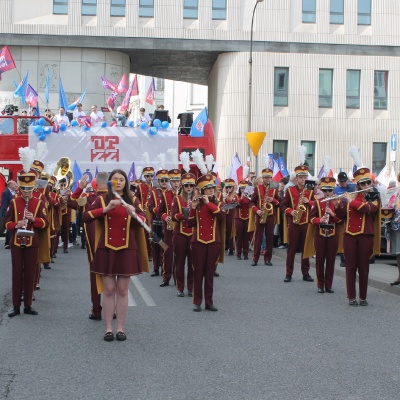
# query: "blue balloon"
[[130, 124], [63, 127], [103, 124], [47, 129], [42, 137], [157, 123], [38, 129], [74, 122], [86, 128], [165, 124], [153, 131], [41, 121], [143, 125]]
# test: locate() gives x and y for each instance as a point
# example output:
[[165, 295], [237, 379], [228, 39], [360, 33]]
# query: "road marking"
[[143, 292], [131, 300]]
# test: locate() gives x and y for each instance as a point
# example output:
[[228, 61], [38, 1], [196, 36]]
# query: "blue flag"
[[47, 88], [355, 168], [72, 106], [21, 88], [197, 129], [132, 173], [63, 99], [271, 161], [282, 165], [77, 175], [96, 172]]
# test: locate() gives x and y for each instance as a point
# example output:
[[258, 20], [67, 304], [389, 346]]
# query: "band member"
[[207, 219], [242, 223], [265, 205], [323, 236], [296, 207], [361, 238], [229, 198], [29, 214], [55, 222], [120, 252], [153, 204], [182, 235]]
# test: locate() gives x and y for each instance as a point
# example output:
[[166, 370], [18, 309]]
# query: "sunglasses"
[[188, 185], [365, 183], [327, 190], [164, 180]]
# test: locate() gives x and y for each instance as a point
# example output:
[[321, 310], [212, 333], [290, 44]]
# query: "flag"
[[6, 61], [127, 98], [150, 92], [321, 173], [197, 129], [72, 106], [31, 96], [122, 85], [215, 169], [47, 88], [63, 99], [21, 88], [96, 172], [132, 173], [237, 169], [111, 100], [282, 166], [135, 87], [271, 161], [277, 173], [76, 171], [355, 168], [384, 177], [107, 84]]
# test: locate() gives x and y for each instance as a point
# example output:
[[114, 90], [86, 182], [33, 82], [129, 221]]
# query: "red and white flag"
[[135, 87], [277, 173], [6, 60], [150, 92], [122, 85], [237, 169]]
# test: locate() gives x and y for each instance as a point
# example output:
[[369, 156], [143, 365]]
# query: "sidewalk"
[[381, 273]]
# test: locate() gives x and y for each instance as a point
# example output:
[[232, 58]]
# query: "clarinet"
[[186, 210], [23, 241]]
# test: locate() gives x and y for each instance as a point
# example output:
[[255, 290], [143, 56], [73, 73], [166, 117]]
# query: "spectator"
[[23, 123], [97, 117], [292, 181], [394, 202], [161, 107], [143, 117], [344, 184], [61, 118], [391, 188], [121, 116], [78, 113], [6, 198]]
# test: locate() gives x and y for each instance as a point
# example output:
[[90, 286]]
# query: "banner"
[[31, 96], [150, 92], [197, 129], [6, 60], [122, 85], [107, 84]]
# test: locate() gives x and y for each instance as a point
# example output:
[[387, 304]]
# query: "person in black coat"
[[6, 198]]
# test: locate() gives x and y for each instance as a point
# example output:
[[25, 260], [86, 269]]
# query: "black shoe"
[[269, 263], [254, 264], [211, 308], [363, 302], [230, 253], [66, 251], [353, 302], [308, 278], [95, 317], [155, 273], [14, 311], [190, 294], [180, 293], [245, 257], [343, 264], [46, 266], [329, 290], [115, 316], [52, 261], [120, 336], [55, 256], [164, 283], [238, 258], [216, 274], [321, 290], [288, 278], [37, 287], [30, 311], [83, 247], [394, 283], [109, 337], [196, 308], [7, 246], [33, 297]]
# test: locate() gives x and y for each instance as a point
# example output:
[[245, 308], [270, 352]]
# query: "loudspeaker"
[[186, 121], [162, 115]]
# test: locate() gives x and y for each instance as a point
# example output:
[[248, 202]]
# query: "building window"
[[281, 87], [89, 7], [280, 149], [218, 9], [380, 90], [325, 88], [310, 156], [309, 11], [60, 7], [146, 8], [364, 12], [117, 8], [378, 157], [353, 88], [337, 12], [190, 9]]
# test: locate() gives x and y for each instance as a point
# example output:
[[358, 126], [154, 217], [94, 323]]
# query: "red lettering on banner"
[[104, 148]]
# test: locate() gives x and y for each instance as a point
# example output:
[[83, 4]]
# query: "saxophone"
[[300, 209], [265, 207]]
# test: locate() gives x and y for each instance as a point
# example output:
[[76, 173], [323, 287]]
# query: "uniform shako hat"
[[229, 182], [205, 181], [27, 180], [301, 170], [162, 174], [37, 166], [148, 170], [328, 183], [267, 173], [138, 182], [242, 183], [362, 174], [188, 178], [174, 174]]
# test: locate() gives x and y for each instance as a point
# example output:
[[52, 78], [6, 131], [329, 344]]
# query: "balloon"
[[143, 125], [63, 127], [38, 129], [41, 121], [74, 122], [130, 124], [165, 124], [103, 124], [47, 129], [42, 137], [157, 123], [153, 131], [86, 128]]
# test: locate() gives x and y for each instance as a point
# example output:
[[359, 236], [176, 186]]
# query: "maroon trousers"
[[182, 251], [268, 227], [53, 245], [326, 249], [229, 223], [23, 274], [242, 237], [65, 224], [357, 251], [297, 236], [205, 260], [168, 255]]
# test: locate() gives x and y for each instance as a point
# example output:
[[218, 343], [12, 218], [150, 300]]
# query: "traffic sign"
[[393, 142]]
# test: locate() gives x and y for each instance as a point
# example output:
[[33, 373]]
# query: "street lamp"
[[251, 80]]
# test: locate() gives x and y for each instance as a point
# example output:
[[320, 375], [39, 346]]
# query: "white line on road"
[[143, 292], [131, 300]]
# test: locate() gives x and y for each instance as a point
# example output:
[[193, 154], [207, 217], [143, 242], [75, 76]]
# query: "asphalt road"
[[269, 340]]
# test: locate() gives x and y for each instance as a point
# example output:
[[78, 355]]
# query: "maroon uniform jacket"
[[291, 200], [154, 203], [182, 225], [242, 211], [317, 212], [166, 203], [258, 196]]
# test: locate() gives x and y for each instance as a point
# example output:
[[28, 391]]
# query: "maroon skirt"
[[116, 262]]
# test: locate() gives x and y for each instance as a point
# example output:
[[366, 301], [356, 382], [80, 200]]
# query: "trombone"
[[341, 195]]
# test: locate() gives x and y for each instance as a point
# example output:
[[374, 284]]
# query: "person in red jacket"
[[242, 223]]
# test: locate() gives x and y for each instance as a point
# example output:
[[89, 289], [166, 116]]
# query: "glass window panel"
[[281, 87], [60, 7], [89, 7], [325, 88], [310, 155], [337, 12], [380, 89], [190, 9], [309, 11], [146, 8], [219, 9], [280, 148], [379, 152], [353, 89], [117, 8], [364, 12]]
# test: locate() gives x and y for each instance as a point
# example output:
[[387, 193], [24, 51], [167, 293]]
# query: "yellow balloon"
[[255, 140]]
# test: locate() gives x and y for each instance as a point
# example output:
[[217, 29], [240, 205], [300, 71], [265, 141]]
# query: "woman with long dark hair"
[[120, 253]]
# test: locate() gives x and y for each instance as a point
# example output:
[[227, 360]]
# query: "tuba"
[[63, 170], [266, 207]]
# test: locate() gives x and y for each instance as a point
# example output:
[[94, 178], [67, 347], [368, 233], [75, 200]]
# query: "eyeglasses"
[[327, 190], [149, 176], [365, 183], [188, 185], [164, 180]]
